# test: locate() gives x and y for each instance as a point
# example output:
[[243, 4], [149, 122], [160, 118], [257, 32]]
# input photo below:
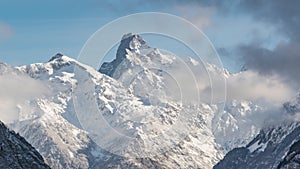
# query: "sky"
[[259, 35], [262, 37]]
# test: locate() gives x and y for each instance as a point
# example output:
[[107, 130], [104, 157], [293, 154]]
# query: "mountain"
[[157, 78], [129, 43], [236, 126], [64, 142], [138, 111], [17, 153], [275, 147], [52, 126], [292, 158]]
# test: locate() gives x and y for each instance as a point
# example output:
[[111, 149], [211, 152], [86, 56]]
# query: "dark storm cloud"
[[284, 59], [284, 14]]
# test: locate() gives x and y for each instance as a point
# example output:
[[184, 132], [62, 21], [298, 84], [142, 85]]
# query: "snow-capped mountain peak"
[[132, 42], [129, 43], [58, 55], [79, 93], [143, 94]]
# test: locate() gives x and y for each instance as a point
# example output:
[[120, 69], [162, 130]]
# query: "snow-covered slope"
[[158, 78], [17, 153], [272, 148], [275, 147], [149, 73], [62, 144], [59, 137], [137, 113], [236, 126]]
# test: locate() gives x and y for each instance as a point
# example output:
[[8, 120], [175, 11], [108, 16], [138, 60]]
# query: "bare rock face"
[[16, 152]]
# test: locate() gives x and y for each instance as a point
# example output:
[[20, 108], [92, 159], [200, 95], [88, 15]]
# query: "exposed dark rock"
[[17, 153]]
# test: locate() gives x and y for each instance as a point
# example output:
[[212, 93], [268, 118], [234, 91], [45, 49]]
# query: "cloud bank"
[[250, 85], [284, 59]]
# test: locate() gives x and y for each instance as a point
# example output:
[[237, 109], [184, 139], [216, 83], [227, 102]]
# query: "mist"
[[16, 92]]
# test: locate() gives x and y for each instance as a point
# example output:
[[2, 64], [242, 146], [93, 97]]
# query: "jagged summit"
[[58, 55], [244, 68], [125, 36], [130, 42]]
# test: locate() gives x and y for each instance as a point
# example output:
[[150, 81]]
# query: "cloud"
[[250, 85], [198, 15], [271, 90], [284, 59], [284, 14], [281, 60], [5, 31], [16, 92]]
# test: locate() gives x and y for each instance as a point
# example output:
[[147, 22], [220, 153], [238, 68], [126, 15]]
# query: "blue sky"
[[33, 31]]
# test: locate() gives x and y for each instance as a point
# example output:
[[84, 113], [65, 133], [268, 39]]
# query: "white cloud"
[[199, 16], [16, 89], [250, 85]]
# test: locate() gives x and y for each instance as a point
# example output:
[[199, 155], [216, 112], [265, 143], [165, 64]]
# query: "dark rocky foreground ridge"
[[277, 146], [17, 153], [274, 148]]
